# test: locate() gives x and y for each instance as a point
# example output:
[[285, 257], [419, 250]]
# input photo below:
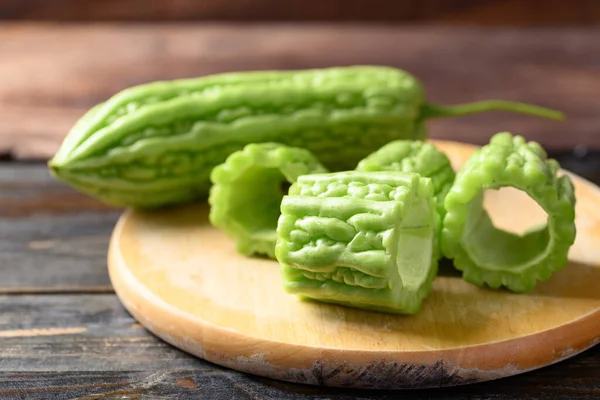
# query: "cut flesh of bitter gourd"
[[360, 239], [414, 156], [247, 191], [489, 256]]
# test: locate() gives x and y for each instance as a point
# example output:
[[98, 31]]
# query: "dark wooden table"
[[63, 332]]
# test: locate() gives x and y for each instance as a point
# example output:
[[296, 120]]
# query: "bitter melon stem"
[[430, 111]]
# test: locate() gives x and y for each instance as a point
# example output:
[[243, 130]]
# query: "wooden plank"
[[67, 346], [79, 333], [505, 12], [83, 65], [218, 384], [28, 190], [55, 254], [52, 239]]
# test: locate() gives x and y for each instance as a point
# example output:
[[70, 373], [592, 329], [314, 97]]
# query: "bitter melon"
[[414, 156], [247, 191], [155, 144], [361, 239], [489, 256]]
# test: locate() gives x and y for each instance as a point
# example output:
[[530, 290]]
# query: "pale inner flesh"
[[526, 242], [415, 245], [257, 208]]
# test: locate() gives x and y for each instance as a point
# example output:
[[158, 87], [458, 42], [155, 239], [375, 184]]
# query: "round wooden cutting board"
[[183, 280]]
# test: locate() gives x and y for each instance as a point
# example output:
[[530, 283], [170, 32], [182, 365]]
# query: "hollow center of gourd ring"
[[259, 205], [513, 210], [505, 227], [415, 245]]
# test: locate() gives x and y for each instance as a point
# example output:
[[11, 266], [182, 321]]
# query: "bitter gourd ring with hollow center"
[[489, 256], [247, 192], [361, 239]]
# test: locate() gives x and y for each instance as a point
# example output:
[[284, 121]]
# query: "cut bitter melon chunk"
[[490, 256], [414, 156], [361, 239], [247, 191]]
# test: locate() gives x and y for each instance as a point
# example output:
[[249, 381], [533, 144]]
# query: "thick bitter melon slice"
[[360, 239], [489, 256], [247, 190]]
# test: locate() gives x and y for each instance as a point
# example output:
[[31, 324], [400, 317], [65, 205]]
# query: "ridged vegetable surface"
[[362, 239], [493, 257], [155, 144], [247, 190], [414, 156]]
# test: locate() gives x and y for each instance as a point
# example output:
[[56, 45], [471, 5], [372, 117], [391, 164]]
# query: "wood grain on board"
[[50, 74], [488, 12]]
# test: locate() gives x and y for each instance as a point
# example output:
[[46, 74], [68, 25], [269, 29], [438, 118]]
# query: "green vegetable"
[[488, 255], [155, 144], [414, 156], [247, 192], [361, 239]]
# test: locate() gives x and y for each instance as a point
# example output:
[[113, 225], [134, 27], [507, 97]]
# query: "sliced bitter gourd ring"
[[414, 156], [360, 239], [493, 257], [247, 191]]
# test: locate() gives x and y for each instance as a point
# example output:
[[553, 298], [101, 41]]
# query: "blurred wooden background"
[[453, 12], [60, 57]]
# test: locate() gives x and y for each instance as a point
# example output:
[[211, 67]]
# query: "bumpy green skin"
[[488, 256], [246, 194], [360, 239], [156, 144], [414, 156]]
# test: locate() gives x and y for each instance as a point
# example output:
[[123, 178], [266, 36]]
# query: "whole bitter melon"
[[155, 144]]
